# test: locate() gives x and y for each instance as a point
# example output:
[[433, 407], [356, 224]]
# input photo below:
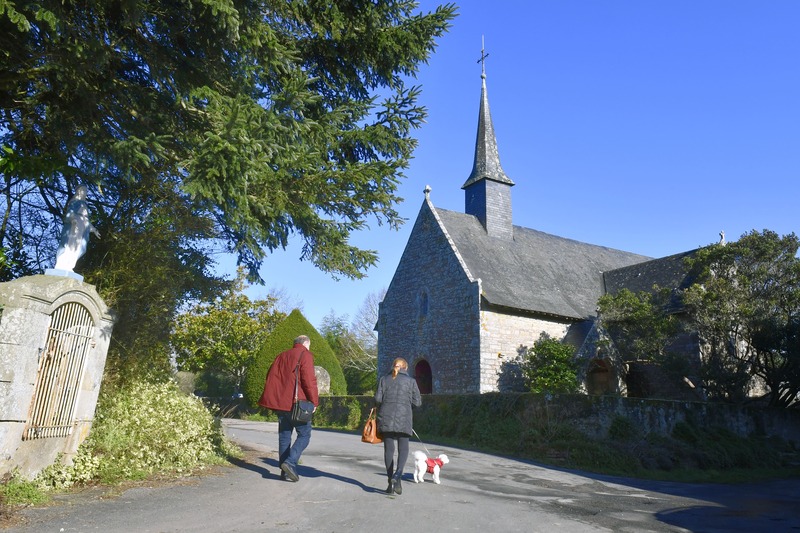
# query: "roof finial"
[[482, 60], [427, 191]]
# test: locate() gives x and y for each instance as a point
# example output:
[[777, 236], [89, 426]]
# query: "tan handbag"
[[370, 433]]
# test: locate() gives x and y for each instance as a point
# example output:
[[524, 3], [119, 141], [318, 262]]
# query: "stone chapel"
[[472, 290]]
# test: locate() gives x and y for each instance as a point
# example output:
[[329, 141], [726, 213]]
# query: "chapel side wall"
[[503, 336], [448, 336]]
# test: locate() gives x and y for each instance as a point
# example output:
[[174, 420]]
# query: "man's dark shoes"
[[288, 469], [398, 486], [390, 488]]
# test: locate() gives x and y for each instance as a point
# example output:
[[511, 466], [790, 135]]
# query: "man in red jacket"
[[295, 366]]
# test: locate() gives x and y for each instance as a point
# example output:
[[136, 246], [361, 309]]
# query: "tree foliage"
[[144, 272], [644, 326], [549, 367], [202, 126], [640, 324], [280, 340], [223, 337], [745, 307]]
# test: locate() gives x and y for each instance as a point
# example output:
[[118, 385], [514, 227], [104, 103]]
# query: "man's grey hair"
[[302, 339]]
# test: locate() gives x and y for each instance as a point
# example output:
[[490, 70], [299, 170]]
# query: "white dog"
[[423, 465]]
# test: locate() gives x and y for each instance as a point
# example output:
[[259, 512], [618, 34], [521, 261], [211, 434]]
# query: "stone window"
[[423, 304]]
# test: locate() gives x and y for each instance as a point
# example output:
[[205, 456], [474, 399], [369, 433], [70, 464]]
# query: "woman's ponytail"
[[397, 365]]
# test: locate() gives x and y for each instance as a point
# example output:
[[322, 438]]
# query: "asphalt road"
[[341, 490]]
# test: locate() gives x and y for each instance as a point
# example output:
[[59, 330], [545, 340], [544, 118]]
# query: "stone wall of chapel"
[[503, 335], [447, 336]]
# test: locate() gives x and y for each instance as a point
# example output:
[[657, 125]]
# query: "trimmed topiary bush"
[[281, 340]]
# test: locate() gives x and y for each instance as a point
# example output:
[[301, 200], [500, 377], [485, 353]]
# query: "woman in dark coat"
[[397, 393]]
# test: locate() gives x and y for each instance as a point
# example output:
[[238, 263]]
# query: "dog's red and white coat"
[[423, 465], [432, 463]]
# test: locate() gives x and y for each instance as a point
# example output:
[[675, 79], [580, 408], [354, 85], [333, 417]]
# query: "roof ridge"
[[450, 240]]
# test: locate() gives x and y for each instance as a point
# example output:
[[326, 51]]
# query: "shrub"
[[686, 432], [280, 340], [549, 367], [361, 381], [340, 412], [145, 428], [84, 468]]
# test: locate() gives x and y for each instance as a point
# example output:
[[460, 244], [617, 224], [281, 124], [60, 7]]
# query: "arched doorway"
[[598, 378], [424, 376]]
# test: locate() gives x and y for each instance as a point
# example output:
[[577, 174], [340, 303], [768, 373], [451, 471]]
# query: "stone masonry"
[[446, 333]]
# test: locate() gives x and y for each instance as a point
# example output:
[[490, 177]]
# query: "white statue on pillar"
[[75, 233]]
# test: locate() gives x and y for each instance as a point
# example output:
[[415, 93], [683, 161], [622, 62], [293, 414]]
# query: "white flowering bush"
[[146, 428], [84, 468], [141, 429]]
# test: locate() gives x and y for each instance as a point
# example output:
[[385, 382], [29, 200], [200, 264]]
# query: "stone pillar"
[[26, 306]]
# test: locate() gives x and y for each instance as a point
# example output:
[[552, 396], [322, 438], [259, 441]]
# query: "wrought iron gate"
[[61, 367]]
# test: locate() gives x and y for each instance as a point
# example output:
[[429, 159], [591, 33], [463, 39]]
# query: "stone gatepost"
[[54, 337]]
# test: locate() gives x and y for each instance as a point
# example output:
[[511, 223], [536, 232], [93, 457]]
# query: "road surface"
[[341, 489]]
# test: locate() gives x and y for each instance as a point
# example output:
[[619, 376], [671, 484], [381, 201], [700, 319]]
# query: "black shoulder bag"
[[302, 410]]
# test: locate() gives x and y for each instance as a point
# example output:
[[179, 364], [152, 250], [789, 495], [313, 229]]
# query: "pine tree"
[[220, 125]]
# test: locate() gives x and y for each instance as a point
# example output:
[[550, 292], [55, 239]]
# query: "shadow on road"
[[247, 465], [273, 472], [310, 472]]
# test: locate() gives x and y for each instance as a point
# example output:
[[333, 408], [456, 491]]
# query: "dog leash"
[[423, 444]]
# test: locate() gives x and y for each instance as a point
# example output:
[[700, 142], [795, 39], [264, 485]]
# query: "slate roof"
[[535, 272], [667, 272], [670, 271]]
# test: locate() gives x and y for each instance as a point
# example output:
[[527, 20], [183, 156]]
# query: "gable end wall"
[[448, 336]]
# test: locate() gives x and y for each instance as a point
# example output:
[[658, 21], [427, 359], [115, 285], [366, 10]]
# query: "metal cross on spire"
[[482, 60]]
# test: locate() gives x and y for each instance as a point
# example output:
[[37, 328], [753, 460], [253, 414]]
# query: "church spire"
[[487, 191], [487, 158]]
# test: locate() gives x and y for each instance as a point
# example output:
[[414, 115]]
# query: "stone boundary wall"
[[28, 304], [594, 414]]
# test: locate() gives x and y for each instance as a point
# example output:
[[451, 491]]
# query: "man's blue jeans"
[[288, 452]]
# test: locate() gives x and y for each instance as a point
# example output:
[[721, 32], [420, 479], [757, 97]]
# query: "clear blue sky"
[[643, 126]]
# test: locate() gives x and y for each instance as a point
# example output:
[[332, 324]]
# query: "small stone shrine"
[[54, 337]]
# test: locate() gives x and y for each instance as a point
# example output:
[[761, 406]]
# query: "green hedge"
[[280, 340], [576, 431]]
